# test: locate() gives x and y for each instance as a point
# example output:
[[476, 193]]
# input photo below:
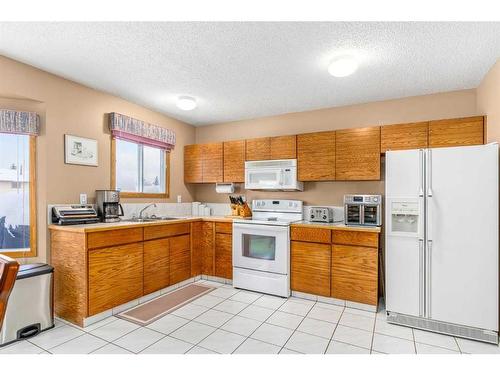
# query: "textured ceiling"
[[243, 70]]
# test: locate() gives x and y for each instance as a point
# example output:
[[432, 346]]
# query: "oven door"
[[371, 214], [263, 178], [261, 247], [353, 214]]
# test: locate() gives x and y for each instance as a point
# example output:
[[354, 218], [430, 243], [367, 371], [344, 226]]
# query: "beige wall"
[[70, 108], [488, 101], [419, 108]]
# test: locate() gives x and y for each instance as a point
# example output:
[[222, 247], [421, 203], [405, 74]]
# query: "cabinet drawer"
[[159, 231], [108, 238], [224, 228], [345, 237], [311, 234]]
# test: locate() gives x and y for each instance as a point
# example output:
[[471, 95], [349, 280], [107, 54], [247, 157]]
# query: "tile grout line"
[[334, 330], [295, 330]]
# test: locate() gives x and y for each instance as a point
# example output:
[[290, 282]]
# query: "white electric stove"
[[261, 246]]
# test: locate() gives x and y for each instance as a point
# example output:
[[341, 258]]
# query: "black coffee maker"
[[108, 205]]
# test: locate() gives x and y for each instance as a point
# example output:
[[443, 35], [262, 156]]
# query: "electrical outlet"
[[179, 199], [83, 198]]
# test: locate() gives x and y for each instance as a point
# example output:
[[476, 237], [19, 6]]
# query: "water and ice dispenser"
[[405, 217]]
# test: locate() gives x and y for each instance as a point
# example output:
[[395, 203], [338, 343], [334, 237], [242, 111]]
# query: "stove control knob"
[[312, 216], [324, 217]]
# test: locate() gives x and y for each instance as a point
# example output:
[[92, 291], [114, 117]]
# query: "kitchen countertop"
[[336, 226], [87, 228]]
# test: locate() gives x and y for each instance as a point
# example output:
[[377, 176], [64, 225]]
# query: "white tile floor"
[[228, 320]]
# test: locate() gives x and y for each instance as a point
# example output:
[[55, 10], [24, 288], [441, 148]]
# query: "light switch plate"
[[83, 198], [179, 199]]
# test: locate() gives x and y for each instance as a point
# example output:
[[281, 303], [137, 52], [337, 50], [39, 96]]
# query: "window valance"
[[19, 122], [128, 128]]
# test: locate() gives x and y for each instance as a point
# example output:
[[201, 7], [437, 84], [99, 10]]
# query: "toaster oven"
[[365, 210]]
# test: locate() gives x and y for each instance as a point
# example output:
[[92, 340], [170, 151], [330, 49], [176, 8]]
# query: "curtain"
[[19, 122], [131, 129]]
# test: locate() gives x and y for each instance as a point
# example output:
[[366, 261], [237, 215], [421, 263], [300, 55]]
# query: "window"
[[140, 170], [17, 195]]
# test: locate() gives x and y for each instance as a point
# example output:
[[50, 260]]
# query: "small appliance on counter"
[[108, 205], [325, 214], [74, 214], [30, 304], [364, 210]]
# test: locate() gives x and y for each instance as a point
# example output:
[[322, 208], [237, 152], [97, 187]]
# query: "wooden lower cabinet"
[[180, 258], [224, 255], [310, 267], [156, 265], [207, 248], [355, 273], [115, 276]]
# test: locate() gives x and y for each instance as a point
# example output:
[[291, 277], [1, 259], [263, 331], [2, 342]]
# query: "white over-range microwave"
[[272, 175]]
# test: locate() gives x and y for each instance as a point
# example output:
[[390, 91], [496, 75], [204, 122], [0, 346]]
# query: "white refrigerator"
[[442, 240]]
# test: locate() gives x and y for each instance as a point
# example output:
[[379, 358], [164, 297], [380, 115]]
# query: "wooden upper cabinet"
[[234, 161], [316, 156], [404, 136], [457, 132], [357, 154], [272, 148], [284, 147], [258, 149], [212, 156], [193, 170]]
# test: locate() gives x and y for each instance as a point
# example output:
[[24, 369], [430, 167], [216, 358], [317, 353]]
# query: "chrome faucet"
[[145, 208]]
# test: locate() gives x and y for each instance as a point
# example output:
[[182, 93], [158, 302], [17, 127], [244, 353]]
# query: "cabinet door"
[[234, 161], [212, 162], [115, 276], [258, 149], [457, 132], [193, 164], [284, 147], [310, 267], [156, 265], [355, 273], [224, 255], [196, 248], [207, 249], [358, 154], [180, 258], [316, 156], [404, 136]]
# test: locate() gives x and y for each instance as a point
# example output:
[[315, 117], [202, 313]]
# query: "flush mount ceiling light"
[[186, 103], [343, 66]]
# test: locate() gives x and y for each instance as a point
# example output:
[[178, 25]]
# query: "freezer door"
[[404, 238], [462, 235]]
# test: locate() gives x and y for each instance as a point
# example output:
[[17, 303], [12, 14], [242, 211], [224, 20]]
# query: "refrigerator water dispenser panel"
[[405, 217]]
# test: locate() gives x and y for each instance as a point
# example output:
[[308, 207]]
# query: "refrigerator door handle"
[[421, 286], [428, 281], [429, 173], [421, 172]]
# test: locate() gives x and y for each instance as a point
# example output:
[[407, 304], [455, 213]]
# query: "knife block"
[[244, 210]]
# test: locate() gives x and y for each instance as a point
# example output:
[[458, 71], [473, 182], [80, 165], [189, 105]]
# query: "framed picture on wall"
[[80, 151]]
